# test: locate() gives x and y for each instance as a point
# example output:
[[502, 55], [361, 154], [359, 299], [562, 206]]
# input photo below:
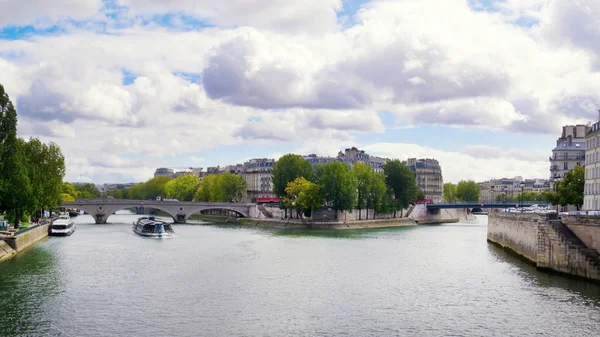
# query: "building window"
[[566, 166], [565, 155], [578, 164]]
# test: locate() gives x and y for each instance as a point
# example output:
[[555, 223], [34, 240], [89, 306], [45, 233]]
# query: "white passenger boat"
[[63, 226], [149, 226]]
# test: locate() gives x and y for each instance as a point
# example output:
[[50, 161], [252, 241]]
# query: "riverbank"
[[298, 224], [549, 243], [22, 240]]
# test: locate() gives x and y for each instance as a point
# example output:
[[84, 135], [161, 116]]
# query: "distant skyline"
[[126, 86]]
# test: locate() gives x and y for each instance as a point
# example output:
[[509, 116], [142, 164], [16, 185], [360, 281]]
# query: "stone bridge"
[[180, 211]]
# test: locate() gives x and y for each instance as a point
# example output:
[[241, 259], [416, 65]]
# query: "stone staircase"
[[265, 211], [410, 209], [560, 249]]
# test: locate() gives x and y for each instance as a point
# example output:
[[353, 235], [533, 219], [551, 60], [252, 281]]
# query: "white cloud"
[[464, 165], [308, 16], [47, 12], [424, 61]]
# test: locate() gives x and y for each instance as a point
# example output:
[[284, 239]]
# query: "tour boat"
[[149, 226], [62, 226]]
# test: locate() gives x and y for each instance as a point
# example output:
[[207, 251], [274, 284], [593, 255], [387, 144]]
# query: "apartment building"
[[568, 153], [258, 177], [591, 197], [428, 174]]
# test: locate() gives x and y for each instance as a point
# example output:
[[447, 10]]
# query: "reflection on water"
[[227, 280]]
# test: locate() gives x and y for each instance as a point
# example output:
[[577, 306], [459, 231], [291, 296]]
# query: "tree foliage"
[[221, 188], [182, 188], [339, 186], [287, 169], [15, 186], [467, 190], [570, 189], [303, 195], [400, 179], [117, 194], [450, 192], [87, 191]]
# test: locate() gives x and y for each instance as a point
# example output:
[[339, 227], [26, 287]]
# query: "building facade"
[[591, 193], [505, 188], [428, 174], [258, 178], [568, 153], [163, 171]]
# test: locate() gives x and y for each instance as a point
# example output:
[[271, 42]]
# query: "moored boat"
[[150, 227], [63, 226]]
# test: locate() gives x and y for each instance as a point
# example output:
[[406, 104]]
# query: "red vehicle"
[[267, 200], [424, 201]]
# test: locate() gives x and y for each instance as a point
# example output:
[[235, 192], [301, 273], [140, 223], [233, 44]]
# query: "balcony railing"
[[554, 168], [563, 158]]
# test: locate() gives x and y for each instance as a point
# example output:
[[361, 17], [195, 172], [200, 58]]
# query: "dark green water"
[[441, 280]]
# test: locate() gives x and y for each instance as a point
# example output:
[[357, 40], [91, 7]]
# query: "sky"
[[126, 86]]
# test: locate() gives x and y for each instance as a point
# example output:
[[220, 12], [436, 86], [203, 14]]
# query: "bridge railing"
[[541, 203]]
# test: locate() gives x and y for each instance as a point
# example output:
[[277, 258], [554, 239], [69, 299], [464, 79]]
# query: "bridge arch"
[[102, 212], [102, 209], [195, 210]]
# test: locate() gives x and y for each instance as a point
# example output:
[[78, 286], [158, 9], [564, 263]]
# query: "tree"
[[65, 197], [182, 188], [205, 191], [287, 169], [46, 169], [419, 194], [339, 186], [364, 177], [231, 187], [15, 186], [379, 198], [155, 187], [303, 195], [117, 194], [450, 192], [570, 189], [401, 181], [87, 191], [467, 191]]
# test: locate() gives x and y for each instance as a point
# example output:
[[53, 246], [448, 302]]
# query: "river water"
[[220, 280]]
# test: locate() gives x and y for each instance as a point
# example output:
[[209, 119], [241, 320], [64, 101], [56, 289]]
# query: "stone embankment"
[[22, 240], [567, 246], [307, 224]]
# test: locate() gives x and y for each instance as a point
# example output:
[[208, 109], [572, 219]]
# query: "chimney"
[[570, 139]]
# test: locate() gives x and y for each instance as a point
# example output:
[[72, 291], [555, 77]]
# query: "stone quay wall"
[[26, 238], [587, 229], [421, 215], [516, 231], [6, 251], [550, 244]]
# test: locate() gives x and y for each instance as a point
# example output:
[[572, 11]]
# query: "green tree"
[[419, 194], [182, 188], [87, 191], [46, 169], [379, 198], [450, 192], [365, 178], [117, 194], [467, 191], [303, 195], [401, 181], [231, 187], [15, 186], [206, 191], [155, 187], [570, 189], [287, 169], [65, 197], [339, 186]]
